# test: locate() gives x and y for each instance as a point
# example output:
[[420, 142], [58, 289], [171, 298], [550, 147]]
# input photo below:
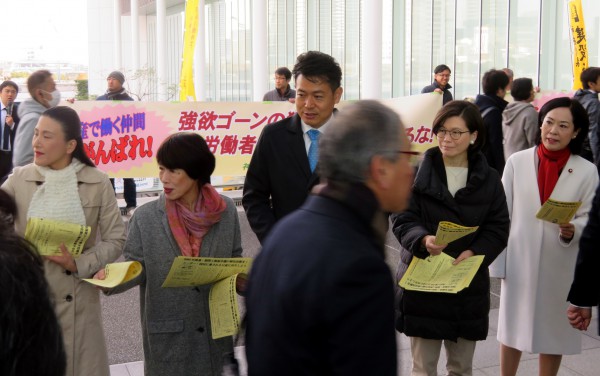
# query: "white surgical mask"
[[55, 97]]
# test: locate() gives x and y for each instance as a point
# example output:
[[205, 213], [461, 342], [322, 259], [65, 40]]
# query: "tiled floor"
[[486, 362]]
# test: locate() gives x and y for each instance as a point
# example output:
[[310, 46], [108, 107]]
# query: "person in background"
[[283, 90], [441, 79], [491, 105], [537, 266], [520, 119], [44, 95], [454, 183], [9, 122], [30, 335], [116, 92], [320, 297], [588, 97], [282, 170], [190, 218], [64, 185], [585, 289]]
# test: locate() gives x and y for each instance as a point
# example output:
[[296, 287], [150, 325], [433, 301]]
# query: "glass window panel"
[[466, 71], [312, 18], [387, 51], [325, 26], [421, 46], [523, 52], [494, 34], [351, 67]]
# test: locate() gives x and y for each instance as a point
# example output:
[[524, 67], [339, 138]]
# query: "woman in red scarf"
[[189, 219], [537, 266]]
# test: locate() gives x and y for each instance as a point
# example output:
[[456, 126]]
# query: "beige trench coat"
[[77, 303]]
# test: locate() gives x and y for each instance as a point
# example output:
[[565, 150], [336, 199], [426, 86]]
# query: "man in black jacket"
[[320, 297], [491, 105], [441, 79], [9, 121], [116, 92], [281, 174]]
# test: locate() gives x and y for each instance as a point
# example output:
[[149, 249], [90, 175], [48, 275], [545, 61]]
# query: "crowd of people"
[[321, 189]]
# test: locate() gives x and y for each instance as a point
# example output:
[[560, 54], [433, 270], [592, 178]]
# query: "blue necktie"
[[313, 150]]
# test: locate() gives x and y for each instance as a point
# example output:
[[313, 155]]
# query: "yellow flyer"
[[223, 272], [117, 274], [197, 271], [437, 274], [48, 234], [448, 232], [223, 306], [558, 211]]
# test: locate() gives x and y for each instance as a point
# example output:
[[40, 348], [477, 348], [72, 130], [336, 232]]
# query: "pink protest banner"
[[122, 137]]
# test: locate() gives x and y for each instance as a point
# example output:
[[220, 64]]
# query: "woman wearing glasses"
[[454, 183], [537, 267]]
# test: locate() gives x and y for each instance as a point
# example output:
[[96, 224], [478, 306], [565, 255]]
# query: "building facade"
[[387, 48]]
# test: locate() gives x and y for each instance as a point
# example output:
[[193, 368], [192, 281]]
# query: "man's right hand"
[[579, 317]]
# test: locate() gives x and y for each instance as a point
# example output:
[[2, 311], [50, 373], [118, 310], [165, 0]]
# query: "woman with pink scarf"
[[190, 218]]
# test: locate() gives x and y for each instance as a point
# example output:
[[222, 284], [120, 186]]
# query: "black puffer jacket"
[[481, 203]]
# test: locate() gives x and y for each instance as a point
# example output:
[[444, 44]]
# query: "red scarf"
[[551, 163], [189, 227]]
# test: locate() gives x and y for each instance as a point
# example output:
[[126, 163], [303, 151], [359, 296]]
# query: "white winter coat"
[[538, 267]]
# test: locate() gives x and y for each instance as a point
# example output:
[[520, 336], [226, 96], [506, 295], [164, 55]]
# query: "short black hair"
[[521, 89], [8, 209], [284, 71], [9, 83], [187, 151], [318, 65], [469, 113], [494, 80], [588, 75], [581, 120], [440, 68], [31, 341]]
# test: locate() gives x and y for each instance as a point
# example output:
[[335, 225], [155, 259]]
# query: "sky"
[[54, 30]]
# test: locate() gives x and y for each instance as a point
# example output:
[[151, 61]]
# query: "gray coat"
[[175, 321], [519, 127]]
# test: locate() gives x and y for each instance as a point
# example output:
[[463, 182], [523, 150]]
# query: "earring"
[[472, 142]]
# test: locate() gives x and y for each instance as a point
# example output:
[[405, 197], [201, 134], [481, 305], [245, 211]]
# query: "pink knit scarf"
[[189, 227]]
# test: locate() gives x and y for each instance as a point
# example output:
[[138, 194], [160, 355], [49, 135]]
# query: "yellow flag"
[[580, 53], [186, 82]]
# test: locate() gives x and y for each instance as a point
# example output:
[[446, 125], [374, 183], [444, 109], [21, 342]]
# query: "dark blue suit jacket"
[[320, 297], [585, 290], [278, 179]]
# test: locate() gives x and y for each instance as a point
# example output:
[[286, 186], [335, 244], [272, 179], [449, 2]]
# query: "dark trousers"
[[5, 164], [129, 193]]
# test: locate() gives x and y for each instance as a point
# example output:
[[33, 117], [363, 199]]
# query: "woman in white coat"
[[537, 266]]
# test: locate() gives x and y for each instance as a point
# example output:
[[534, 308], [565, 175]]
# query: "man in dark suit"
[[585, 290], [9, 121], [320, 297], [280, 174]]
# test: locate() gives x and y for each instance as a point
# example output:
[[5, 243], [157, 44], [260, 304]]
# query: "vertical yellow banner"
[[186, 82], [580, 54]]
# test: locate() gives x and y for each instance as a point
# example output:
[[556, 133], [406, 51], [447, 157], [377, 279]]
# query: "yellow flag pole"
[[186, 82], [580, 53]]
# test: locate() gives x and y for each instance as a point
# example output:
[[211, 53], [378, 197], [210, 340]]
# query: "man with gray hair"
[[320, 297]]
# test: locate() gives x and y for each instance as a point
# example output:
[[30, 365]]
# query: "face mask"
[[55, 98]]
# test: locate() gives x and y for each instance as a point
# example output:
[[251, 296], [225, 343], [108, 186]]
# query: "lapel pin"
[[570, 171]]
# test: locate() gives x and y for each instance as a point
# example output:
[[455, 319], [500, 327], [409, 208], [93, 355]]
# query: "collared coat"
[[77, 303], [176, 323], [278, 179], [537, 267]]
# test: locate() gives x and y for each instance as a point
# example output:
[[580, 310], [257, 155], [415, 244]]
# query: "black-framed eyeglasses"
[[454, 134]]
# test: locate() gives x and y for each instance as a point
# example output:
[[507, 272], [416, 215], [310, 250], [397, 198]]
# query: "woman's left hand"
[[65, 260], [463, 256], [566, 231]]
